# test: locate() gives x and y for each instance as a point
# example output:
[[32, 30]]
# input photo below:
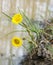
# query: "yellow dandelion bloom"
[[17, 18], [17, 42]]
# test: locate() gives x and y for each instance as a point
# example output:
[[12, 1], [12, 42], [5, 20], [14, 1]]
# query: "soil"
[[35, 59]]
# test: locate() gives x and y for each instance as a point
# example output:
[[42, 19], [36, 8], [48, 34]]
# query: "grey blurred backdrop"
[[10, 55]]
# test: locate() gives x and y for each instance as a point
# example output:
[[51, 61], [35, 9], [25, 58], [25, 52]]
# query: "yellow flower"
[[17, 18], [17, 42]]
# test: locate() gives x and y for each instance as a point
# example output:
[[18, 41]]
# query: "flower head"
[[17, 18], [17, 42]]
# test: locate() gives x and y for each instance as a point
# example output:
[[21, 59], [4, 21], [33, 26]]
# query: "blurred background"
[[35, 9]]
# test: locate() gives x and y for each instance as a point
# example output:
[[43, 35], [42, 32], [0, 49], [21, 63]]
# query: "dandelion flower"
[[17, 18], [17, 42]]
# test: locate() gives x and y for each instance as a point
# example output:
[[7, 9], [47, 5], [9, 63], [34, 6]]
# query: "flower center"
[[16, 41], [17, 19]]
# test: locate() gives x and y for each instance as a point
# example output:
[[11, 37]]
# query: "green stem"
[[7, 15], [30, 35], [12, 32]]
